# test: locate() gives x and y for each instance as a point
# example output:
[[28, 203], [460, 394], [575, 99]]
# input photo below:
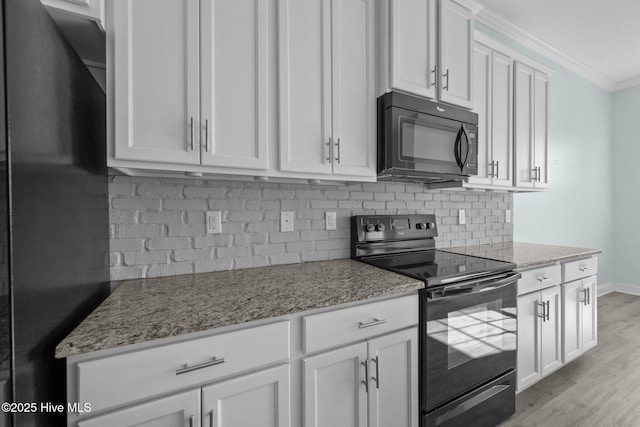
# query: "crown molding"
[[528, 40]]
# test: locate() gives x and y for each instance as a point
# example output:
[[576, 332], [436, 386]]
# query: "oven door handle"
[[475, 286]]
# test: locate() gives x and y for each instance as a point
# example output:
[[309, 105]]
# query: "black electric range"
[[467, 340]]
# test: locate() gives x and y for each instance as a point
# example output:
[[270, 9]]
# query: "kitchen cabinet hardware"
[[584, 298], [446, 86], [547, 309], [211, 415], [338, 154], [377, 377], [192, 421], [544, 279], [497, 169], [492, 165], [543, 316], [585, 268], [434, 83], [375, 322], [366, 375], [214, 361], [328, 156], [192, 135]]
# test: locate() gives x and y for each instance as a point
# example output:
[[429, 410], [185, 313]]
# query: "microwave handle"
[[457, 149], [466, 156]]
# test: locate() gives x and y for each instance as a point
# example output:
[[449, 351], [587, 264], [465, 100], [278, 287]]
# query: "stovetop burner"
[[437, 267], [405, 244]]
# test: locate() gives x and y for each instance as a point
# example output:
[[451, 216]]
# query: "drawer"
[[358, 323], [575, 270], [126, 378], [539, 278]]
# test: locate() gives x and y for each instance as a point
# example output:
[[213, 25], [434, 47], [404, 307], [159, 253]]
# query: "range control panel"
[[372, 228]]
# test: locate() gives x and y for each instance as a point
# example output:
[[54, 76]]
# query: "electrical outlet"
[[286, 221], [507, 216], [214, 222], [330, 220], [461, 217]]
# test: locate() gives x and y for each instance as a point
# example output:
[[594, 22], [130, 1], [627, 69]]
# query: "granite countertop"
[[147, 309], [525, 255]]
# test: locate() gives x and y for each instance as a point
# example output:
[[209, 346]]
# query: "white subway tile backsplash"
[[157, 225]]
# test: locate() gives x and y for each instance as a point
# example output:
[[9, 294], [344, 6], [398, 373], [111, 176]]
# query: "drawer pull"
[[192, 421], [370, 324], [544, 279], [585, 268], [214, 361]]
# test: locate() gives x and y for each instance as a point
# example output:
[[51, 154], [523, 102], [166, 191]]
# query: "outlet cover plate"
[[330, 220], [286, 221], [213, 222]]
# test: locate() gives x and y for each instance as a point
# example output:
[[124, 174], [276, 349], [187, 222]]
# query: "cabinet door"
[[412, 45], [180, 410], [304, 41], [155, 104], [393, 370], [501, 118], [590, 314], [572, 297], [523, 125], [455, 54], [353, 87], [260, 399], [551, 331], [529, 370], [540, 95], [334, 393], [234, 75], [482, 106]]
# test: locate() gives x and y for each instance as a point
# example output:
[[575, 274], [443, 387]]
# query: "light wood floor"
[[600, 388]]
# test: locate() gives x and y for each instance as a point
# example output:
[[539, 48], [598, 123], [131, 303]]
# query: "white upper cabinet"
[[234, 78], [154, 107], [530, 121], [455, 60], [412, 46], [427, 49], [493, 102], [327, 87]]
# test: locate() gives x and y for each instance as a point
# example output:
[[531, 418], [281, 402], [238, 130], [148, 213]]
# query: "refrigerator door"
[[58, 200]]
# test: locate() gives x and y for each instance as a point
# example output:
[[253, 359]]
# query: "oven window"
[[475, 332], [426, 141]]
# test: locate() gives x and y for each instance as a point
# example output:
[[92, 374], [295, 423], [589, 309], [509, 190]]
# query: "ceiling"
[[598, 39]]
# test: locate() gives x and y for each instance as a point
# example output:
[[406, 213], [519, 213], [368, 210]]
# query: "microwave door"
[[429, 145]]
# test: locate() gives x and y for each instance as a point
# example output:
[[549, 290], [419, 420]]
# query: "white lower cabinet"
[[260, 399], [539, 335], [371, 383], [174, 411], [557, 317]]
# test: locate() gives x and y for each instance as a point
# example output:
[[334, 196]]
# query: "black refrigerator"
[[54, 214]]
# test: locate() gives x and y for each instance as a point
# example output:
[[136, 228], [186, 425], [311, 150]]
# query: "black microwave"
[[425, 141]]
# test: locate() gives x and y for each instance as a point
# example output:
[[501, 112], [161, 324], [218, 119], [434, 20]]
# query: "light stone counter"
[[147, 309], [525, 255]]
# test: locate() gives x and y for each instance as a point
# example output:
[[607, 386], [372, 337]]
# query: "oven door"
[[468, 336], [425, 143]]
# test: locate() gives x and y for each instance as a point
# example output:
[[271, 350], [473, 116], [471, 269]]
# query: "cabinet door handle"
[[375, 322], [214, 361], [544, 311], [366, 375], [338, 147], [547, 309], [446, 74], [328, 155], [211, 418], [206, 135], [192, 421], [497, 169], [435, 74], [193, 147], [377, 377], [588, 296], [493, 169]]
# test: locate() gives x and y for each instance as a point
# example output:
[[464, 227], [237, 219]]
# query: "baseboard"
[[627, 288]]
